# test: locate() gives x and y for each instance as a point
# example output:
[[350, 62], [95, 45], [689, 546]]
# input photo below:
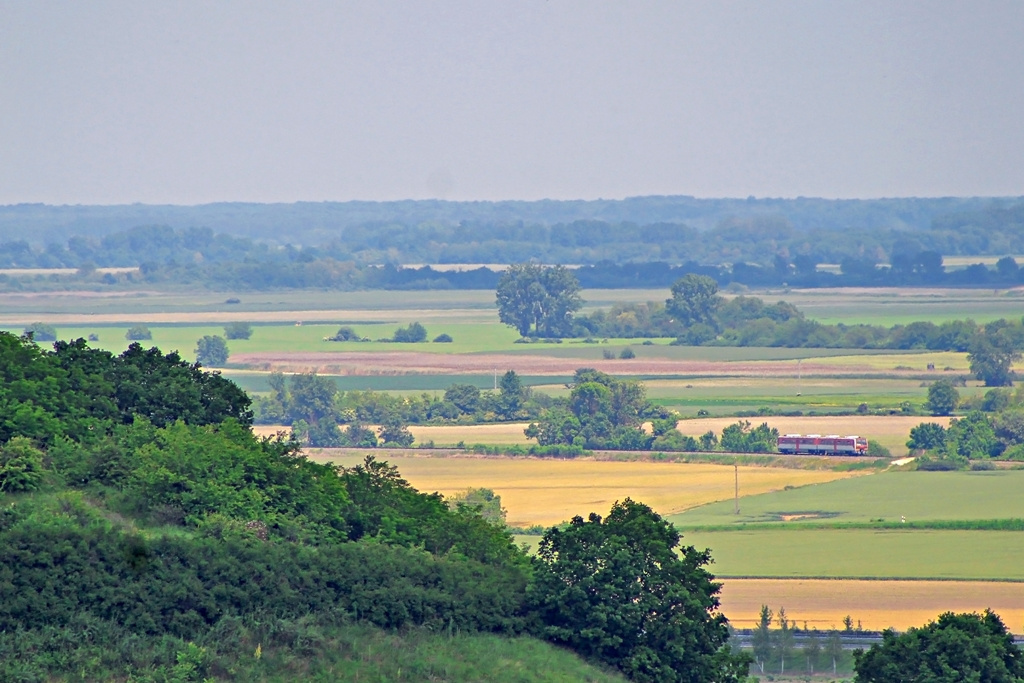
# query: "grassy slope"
[[363, 653]]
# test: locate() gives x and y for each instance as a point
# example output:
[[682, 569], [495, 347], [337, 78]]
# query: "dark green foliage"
[[740, 438], [414, 333], [943, 397], [927, 436], [138, 333], [694, 301], [601, 412], [972, 436], [627, 353], [616, 591], [41, 332], [237, 330], [538, 300], [485, 502], [443, 338], [212, 350], [994, 350], [21, 466], [955, 648], [82, 393], [346, 334]]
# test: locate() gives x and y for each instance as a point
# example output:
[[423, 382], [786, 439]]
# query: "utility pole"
[[736, 470]]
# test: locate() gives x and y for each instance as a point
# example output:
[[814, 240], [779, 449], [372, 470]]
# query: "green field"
[[918, 496], [800, 532], [865, 553]]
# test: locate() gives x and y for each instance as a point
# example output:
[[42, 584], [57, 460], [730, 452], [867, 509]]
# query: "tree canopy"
[[955, 648], [620, 590], [538, 299]]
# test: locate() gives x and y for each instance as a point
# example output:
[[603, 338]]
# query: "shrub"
[[414, 333], [346, 334], [878, 450], [138, 333], [237, 330], [41, 332], [21, 466], [627, 353], [444, 338]]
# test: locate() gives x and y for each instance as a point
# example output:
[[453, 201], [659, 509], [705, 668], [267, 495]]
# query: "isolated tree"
[[943, 398], [694, 301], [212, 350], [138, 333], [237, 330], [812, 650], [540, 299], [621, 591], [834, 649], [992, 353], [784, 639], [41, 332], [957, 647], [510, 395]]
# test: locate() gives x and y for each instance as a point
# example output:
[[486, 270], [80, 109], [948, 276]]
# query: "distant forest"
[[636, 242]]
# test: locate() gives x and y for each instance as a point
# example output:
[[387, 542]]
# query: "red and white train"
[[816, 444]]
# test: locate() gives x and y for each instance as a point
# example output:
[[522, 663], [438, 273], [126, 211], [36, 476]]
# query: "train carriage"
[[816, 444]]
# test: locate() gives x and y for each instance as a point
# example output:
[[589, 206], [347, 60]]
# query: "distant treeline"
[[779, 241]]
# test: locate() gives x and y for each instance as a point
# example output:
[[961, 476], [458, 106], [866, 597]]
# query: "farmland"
[[822, 603], [719, 380], [545, 492]]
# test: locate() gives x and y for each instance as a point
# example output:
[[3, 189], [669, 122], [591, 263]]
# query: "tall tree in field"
[[540, 299], [694, 300], [943, 398], [993, 351]]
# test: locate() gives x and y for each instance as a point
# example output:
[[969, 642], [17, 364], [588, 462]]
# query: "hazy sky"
[[193, 102]]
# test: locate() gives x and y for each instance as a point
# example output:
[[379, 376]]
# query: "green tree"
[[485, 502], [212, 350], [395, 433], [762, 638], [694, 301], [41, 332], [537, 298], [465, 397], [237, 330], [138, 333], [21, 466], [927, 436], [812, 650], [834, 649], [972, 436], [511, 395], [955, 648], [620, 590], [992, 353], [311, 397], [943, 397], [784, 640], [414, 333]]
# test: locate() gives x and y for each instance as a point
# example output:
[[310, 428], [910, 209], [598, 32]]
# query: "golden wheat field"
[[536, 491], [489, 434], [822, 603]]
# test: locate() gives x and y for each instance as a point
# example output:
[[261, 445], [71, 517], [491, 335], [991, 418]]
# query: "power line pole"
[[736, 499]]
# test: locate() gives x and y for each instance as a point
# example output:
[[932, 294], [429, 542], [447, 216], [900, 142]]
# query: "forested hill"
[[319, 222]]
